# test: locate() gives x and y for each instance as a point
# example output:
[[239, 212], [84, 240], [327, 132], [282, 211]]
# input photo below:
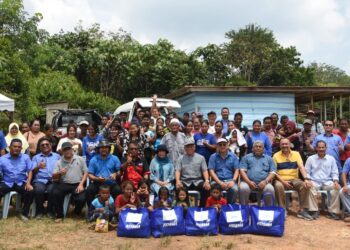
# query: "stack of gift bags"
[[232, 219]]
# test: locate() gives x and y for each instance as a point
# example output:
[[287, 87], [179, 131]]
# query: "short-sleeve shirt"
[[44, 175], [346, 169], [97, 204], [15, 171], [200, 147], [223, 167], [191, 168], [75, 169], [333, 141], [120, 201], [288, 168], [258, 167], [211, 202], [100, 167]]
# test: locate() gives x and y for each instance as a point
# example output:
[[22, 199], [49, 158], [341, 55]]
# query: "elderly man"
[[316, 125], [191, 171], [104, 169], [306, 137], [174, 140], [70, 175], [257, 171], [14, 169], [322, 170], [43, 165], [289, 163], [224, 169], [345, 191]]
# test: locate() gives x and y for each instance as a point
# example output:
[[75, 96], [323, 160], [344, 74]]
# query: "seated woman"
[[162, 171]]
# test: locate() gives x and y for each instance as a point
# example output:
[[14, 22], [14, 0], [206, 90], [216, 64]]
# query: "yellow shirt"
[[287, 168]]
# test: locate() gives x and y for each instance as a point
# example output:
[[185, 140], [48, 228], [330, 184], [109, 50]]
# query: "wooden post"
[[312, 102], [335, 108], [325, 110], [341, 106], [321, 110]]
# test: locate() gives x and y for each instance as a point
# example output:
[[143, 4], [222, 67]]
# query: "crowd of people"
[[121, 164]]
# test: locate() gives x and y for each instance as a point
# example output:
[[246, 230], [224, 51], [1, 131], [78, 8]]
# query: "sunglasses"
[[44, 145], [222, 144], [328, 125]]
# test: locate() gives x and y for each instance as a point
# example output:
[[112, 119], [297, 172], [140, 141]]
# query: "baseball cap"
[[221, 140], [189, 141], [310, 111], [307, 121], [83, 123], [66, 145], [211, 113]]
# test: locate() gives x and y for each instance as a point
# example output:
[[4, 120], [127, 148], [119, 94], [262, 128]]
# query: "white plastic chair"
[[6, 203], [196, 195], [288, 196]]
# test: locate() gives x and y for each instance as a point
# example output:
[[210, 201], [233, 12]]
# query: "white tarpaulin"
[[6, 104]]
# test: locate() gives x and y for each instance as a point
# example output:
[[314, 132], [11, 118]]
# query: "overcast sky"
[[320, 29]]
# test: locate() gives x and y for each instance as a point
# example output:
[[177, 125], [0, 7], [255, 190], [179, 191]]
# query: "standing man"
[[322, 170], [344, 133], [43, 167], [257, 171], [225, 113], [289, 164], [274, 118], [14, 169], [104, 169], [238, 118], [224, 170], [211, 119], [316, 125], [70, 175], [306, 138], [191, 171], [174, 141], [83, 125]]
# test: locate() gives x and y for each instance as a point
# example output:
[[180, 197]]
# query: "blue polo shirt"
[[223, 167], [253, 137], [104, 167], [332, 141], [3, 144], [200, 147], [14, 171], [346, 169], [258, 167], [44, 175]]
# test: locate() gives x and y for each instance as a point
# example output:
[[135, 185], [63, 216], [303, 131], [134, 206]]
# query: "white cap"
[[221, 140], [175, 120], [83, 122]]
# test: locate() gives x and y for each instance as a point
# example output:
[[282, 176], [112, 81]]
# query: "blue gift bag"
[[166, 222], [234, 219], [201, 221], [134, 223], [267, 220]]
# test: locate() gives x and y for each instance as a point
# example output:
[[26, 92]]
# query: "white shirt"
[[322, 171]]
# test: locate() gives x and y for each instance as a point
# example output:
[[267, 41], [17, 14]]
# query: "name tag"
[[266, 215], [169, 215], [133, 218], [201, 216], [234, 216]]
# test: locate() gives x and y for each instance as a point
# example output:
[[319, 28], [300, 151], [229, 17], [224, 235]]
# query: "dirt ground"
[[74, 234]]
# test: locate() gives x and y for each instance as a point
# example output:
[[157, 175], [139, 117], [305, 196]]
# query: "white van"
[[164, 106]]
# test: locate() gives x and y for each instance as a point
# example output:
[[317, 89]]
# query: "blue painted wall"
[[251, 105]]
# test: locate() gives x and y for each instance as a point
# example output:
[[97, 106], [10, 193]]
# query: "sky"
[[319, 29]]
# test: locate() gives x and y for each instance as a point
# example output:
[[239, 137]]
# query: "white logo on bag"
[[234, 216], [133, 218], [170, 217], [201, 218], [265, 218]]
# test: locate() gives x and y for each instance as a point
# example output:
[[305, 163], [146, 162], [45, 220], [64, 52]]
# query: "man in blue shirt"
[[43, 166], [224, 169], [14, 168], [344, 193], [257, 171], [225, 114], [3, 144], [104, 169]]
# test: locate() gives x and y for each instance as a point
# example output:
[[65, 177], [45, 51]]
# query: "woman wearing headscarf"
[[15, 133]]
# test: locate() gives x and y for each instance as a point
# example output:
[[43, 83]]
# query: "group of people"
[[120, 164]]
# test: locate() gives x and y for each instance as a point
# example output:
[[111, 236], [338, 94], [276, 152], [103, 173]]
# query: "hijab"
[[9, 137]]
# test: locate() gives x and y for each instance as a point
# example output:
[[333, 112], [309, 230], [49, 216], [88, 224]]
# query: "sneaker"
[[305, 215], [333, 216], [23, 218], [39, 216], [315, 215]]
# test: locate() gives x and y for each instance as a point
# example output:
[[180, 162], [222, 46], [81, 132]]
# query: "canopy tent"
[[6, 104]]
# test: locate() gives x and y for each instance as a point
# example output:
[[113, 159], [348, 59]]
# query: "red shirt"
[[120, 201], [346, 154], [211, 201]]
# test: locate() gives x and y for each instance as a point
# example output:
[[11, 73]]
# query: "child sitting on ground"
[[215, 199], [182, 198], [143, 194], [128, 199], [163, 199], [102, 207]]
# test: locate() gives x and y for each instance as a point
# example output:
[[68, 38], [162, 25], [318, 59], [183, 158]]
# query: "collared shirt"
[[225, 126], [258, 167], [191, 168], [44, 175], [303, 136], [104, 167], [76, 168], [346, 169], [333, 141], [261, 136], [318, 128], [3, 144], [14, 171], [223, 167], [322, 171], [288, 167], [174, 144], [201, 149]]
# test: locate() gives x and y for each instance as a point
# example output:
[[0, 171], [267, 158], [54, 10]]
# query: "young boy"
[[102, 207], [215, 199]]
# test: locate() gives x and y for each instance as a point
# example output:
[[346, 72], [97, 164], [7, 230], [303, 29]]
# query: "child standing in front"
[[128, 199], [163, 199], [215, 199], [143, 194]]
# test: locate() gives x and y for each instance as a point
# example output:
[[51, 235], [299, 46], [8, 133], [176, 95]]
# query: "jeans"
[[41, 191]]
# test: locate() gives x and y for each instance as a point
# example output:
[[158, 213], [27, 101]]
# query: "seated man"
[[224, 169], [345, 191], [257, 171], [191, 171], [322, 170], [69, 175], [104, 169], [14, 169], [289, 163]]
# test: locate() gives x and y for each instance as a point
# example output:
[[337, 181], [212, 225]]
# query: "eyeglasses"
[[222, 144], [328, 125], [133, 149], [44, 145]]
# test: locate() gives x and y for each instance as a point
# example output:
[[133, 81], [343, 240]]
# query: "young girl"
[[182, 198], [163, 199], [215, 199], [128, 199], [102, 207], [143, 194]]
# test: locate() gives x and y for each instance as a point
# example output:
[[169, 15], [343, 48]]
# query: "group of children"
[[105, 207]]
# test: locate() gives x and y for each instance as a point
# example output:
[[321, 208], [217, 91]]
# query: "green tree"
[[329, 74]]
